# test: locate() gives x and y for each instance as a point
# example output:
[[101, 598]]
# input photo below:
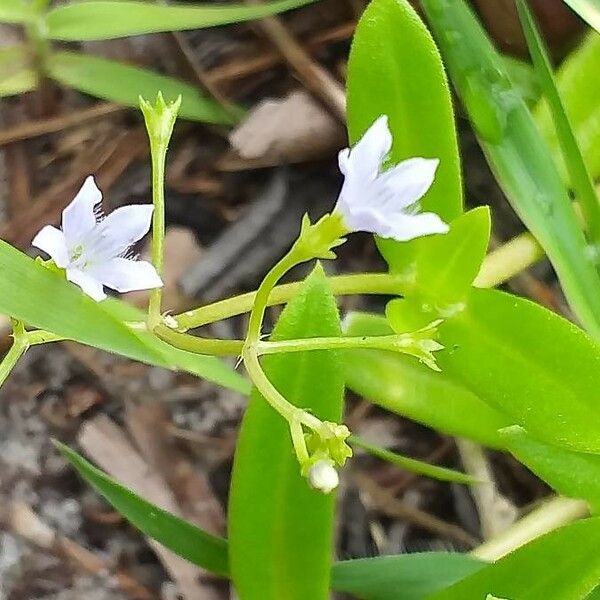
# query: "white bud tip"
[[323, 477]]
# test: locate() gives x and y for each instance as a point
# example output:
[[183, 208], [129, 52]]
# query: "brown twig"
[[31, 129]]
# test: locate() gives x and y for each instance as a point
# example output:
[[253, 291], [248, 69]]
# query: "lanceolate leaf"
[[403, 577], [517, 152], [122, 83], [573, 474], [395, 69], [107, 19], [44, 299], [562, 565], [280, 529], [183, 538]]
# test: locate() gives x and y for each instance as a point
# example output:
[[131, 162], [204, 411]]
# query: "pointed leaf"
[[280, 529], [16, 74], [588, 10]]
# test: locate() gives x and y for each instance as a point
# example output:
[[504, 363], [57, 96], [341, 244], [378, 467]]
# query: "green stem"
[[288, 411], [199, 345], [18, 348], [159, 154]]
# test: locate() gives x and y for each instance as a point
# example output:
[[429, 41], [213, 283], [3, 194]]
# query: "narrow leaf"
[[517, 152], [183, 538], [280, 529], [15, 11], [395, 69], [573, 474], [44, 299], [108, 19], [578, 173], [403, 577], [562, 565], [124, 84], [588, 10]]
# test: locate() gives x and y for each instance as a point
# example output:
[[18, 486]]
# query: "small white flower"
[[385, 202], [93, 250], [322, 476]]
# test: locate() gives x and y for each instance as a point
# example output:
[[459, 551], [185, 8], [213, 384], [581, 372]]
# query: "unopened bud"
[[322, 476]]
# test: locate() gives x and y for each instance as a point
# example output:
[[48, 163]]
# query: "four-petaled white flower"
[[322, 476], [385, 202], [94, 250]]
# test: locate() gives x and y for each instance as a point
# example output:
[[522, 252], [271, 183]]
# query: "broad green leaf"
[[403, 577], [561, 565], [573, 474], [517, 152], [124, 84], [395, 69], [280, 529], [579, 88], [527, 362], [371, 578], [446, 265], [183, 538], [581, 180], [16, 74], [44, 299], [15, 11], [406, 387], [413, 465], [108, 19], [588, 10]]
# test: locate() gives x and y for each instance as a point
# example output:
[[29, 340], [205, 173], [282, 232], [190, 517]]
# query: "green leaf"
[[406, 387], [395, 69], [15, 11], [280, 529], [124, 84], [528, 363], [573, 474], [413, 465], [44, 299], [581, 180], [588, 10], [185, 539], [579, 88], [562, 565], [16, 74], [403, 577], [106, 19], [446, 265], [517, 152]]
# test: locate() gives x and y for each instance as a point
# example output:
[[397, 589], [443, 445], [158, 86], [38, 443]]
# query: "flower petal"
[[407, 182], [79, 218], [87, 283], [403, 227], [52, 241], [367, 155], [125, 275], [118, 232]]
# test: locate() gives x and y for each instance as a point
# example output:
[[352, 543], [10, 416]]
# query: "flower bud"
[[322, 476]]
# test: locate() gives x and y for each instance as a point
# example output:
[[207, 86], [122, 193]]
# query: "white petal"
[[118, 232], [126, 275], [52, 241], [87, 283], [407, 182], [405, 227], [367, 155], [78, 219], [322, 476]]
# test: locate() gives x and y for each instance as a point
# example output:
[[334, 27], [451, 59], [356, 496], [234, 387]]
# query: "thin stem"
[[159, 153], [500, 265], [18, 348], [199, 345], [288, 411], [381, 342]]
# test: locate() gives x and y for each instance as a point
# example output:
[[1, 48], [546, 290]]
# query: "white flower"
[[93, 250], [385, 202], [322, 476]]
